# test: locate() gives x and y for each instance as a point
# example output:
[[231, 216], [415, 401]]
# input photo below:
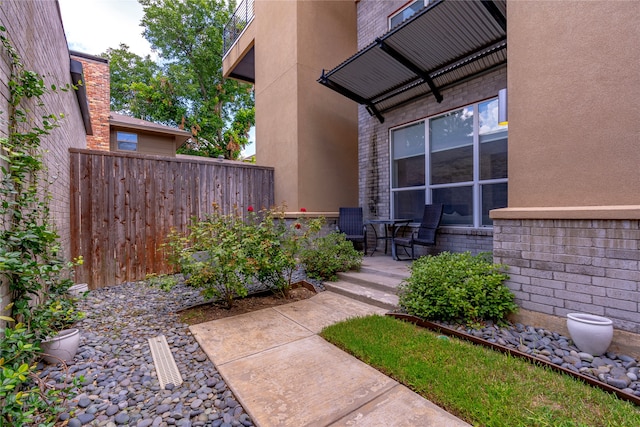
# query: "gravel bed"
[[618, 370], [120, 386]]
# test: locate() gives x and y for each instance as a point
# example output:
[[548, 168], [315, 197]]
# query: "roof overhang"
[[79, 85], [446, 43]]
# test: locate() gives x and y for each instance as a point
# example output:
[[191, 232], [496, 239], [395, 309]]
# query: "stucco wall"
[[35, 29], [574, 103], [305, 131]]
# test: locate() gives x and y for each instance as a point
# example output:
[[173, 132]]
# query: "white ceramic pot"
[[62, 347], [590, 333]]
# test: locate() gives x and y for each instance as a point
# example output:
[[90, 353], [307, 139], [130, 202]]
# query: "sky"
[[93, 26]]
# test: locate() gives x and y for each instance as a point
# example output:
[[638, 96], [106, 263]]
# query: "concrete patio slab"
[[284, 374], [399, 407], [308, 382], [235, 337], [325, 309]]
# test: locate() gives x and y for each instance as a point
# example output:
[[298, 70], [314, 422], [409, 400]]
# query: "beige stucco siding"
[[574, 103]]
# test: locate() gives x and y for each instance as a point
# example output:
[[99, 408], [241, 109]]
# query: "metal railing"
[[239, 21]]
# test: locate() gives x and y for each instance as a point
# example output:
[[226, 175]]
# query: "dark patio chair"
[[351, 223], [425, 235]]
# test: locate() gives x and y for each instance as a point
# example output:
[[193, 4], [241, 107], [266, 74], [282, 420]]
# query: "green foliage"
[[224, 254], [327, 255], [457, 286], [185, 87], [479, 385], [29, 251]]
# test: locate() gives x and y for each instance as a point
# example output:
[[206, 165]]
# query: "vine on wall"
[[29, 250]]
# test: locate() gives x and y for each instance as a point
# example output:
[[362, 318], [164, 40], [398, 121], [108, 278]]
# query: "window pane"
[[408, 204], [494, 196], [408, 172], [451, 139], [128, 146], [493, 142], [127, 141], [407, 146], [406, 13], [458, 205], [127, 137], [408, 141]]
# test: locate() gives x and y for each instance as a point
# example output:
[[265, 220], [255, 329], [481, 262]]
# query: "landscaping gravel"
[[618, 370], [119, 385]]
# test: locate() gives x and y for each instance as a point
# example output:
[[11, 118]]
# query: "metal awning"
[[444, 44]]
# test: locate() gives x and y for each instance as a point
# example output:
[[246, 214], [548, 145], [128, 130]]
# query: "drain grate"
[[166, 367]]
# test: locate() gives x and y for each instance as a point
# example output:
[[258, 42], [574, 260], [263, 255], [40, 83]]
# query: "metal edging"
[[513, 352]]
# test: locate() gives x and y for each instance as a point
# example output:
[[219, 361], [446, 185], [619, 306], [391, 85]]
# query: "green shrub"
[[457, 287], [224, 254], [327, 255]]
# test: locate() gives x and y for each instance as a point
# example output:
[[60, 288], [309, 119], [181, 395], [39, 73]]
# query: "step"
[[372, 280], [379, 298]]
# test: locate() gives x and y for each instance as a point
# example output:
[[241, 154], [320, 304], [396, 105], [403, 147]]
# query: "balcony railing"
[[239, 20]]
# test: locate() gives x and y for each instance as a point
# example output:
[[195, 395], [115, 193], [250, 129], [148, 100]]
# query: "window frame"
[[476, 183], [118, 141], [402, 9]]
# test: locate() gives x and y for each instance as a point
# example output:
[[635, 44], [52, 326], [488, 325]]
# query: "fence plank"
[[124, 205]]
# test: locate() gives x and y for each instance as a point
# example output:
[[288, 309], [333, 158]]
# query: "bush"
[[224, 254], [327, 255], [457, 287]]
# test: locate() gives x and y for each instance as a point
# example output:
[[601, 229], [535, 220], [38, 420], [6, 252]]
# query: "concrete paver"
[[284, 374]]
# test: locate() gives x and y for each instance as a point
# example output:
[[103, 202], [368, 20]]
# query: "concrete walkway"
[[284, 374]]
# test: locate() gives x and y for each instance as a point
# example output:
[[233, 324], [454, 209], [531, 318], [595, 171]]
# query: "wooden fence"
[[124, 205]]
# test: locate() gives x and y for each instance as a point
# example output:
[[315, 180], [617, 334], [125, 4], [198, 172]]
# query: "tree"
[[186, 87]]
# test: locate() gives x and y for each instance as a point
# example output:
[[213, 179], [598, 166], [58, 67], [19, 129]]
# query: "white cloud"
[[92, 26]]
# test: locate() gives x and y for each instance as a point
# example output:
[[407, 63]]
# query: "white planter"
[[62, 347], [590, 333]]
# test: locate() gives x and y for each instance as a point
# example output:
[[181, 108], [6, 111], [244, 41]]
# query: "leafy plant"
[[29, 250], [224, 254], [327, 255], [457, 286]]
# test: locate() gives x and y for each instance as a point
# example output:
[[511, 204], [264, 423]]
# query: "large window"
[[458, 159], [127, 141]]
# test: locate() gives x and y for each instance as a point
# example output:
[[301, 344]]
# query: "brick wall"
[[97, 83], [35, 29], [373, 136], [563, 266]]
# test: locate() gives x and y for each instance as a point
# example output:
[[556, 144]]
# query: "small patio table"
[[389, 224]]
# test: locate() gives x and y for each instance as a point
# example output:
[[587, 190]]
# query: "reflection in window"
[[451, 140], [406, 13], [407, 144], [127, 141], [458, 204], [465, 166], [493, 142]]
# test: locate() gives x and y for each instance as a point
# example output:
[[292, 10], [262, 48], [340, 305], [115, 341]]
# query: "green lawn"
[[479, 385]]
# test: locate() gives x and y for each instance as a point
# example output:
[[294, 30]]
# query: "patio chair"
[[425, 235], [351, 223]]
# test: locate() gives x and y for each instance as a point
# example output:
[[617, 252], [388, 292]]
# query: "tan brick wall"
[[563, 266], [35, 29], [97, 83]]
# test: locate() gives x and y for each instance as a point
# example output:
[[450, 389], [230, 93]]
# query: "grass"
[[479, 385]]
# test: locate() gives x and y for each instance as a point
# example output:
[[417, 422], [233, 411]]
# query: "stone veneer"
[[563, 266]]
